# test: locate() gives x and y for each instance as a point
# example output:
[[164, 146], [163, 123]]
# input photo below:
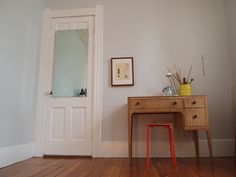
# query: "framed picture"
[[122, 71]]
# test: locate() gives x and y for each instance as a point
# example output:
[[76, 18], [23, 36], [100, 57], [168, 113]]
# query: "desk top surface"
[[163, 97]]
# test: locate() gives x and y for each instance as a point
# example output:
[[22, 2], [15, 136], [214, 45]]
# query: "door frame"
[[48, 14]]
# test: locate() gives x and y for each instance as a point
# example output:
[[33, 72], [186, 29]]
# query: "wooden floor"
[[120, 167]]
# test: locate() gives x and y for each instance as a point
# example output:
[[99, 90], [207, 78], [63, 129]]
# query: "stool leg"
[[172, 146], [147, 148], [170, 141]]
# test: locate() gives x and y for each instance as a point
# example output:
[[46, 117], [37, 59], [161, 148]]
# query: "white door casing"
[[73, 107]]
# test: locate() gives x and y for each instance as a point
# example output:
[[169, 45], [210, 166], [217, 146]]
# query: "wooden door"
[[68, 119]]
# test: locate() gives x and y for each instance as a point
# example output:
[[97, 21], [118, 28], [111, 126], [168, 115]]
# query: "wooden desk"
[[190, 112]]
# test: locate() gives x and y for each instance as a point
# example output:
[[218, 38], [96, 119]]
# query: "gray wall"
[[19, 49], [160, 34], [157, 33], [230, 6]]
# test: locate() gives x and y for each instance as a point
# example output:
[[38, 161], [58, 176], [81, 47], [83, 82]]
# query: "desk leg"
[[195, 138], [235, 149], [209, 142], [130, 134]]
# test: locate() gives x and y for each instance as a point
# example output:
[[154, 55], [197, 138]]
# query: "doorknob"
[[50, 92]]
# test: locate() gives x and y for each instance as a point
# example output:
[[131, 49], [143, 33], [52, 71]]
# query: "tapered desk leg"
[[209, 142], [130, 132], [195, 138], [235, 149]]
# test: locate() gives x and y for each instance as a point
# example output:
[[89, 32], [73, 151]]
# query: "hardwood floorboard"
[[113, 168], [120, 167], [54, 166], [78, 169], [97, 170], [71, 169], [25, 168], [61, 168]]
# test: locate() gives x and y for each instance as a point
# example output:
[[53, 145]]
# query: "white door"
[[68, 105]]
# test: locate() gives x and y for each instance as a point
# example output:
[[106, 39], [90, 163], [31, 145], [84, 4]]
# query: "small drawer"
[[155, 104], [136, 104], [194, 102], [195, 117]]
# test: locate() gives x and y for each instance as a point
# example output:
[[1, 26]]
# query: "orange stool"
[[171, 139]]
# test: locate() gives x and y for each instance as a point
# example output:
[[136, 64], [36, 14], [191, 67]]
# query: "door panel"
[[57, 124], [78, 117], [68, 122]]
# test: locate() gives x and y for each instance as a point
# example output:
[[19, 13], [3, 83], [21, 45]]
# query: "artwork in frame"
[[122, 71]]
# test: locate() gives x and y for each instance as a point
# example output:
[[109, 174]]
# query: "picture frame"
[[122, 71]]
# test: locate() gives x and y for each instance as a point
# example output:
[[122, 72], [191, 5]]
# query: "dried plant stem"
[[176, 76], [190, 70], [179, 73]]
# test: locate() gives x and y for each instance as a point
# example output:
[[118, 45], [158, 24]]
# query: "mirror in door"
[[70, 62]]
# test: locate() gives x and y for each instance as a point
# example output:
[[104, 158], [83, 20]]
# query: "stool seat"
[[171, 140], [159, 125]]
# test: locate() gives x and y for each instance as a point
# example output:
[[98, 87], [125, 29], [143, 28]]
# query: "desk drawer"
[[151, 104], [195, 117], [194, 102]]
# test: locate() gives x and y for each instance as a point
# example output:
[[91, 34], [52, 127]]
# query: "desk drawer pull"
[[137, 103], [174, 103], [194, 102], [195, 116]]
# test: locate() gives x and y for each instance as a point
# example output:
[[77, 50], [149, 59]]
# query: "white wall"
[[160, 34], [19, 46]]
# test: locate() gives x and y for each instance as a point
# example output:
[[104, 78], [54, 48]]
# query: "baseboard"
[[13, 154], [221, 147]]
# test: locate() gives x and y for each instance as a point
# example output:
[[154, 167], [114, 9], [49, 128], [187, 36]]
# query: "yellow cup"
[[185, 89]]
